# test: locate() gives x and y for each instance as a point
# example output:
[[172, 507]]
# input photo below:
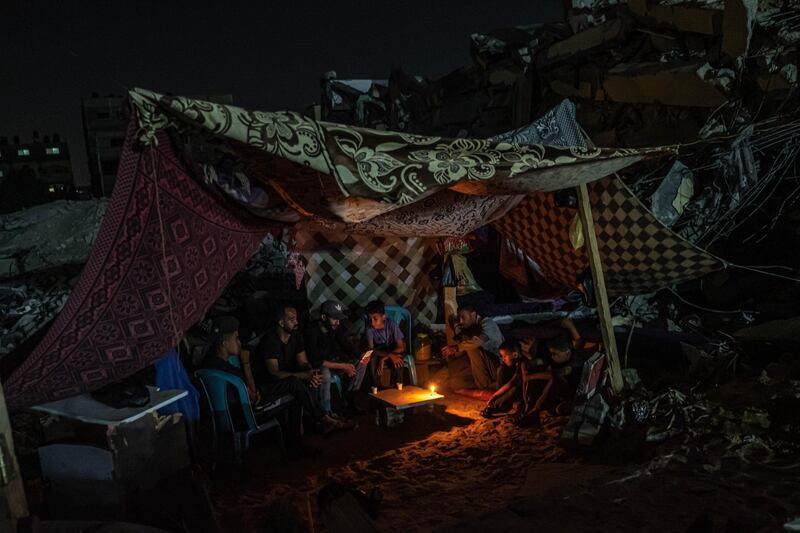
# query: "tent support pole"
[[603, 310], [13, 504], [450, 309]]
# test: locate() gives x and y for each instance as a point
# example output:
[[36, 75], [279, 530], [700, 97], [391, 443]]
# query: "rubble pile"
[[696, 428], [48, 235], [41, 252], [29, 303], [717, 77]]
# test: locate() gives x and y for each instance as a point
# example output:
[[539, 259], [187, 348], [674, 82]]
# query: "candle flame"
[[433, 389]]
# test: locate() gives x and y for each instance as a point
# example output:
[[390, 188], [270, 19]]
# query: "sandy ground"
[[449, 469]]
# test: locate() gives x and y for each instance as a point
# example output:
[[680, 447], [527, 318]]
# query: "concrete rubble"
[[641, 73], [41, 252]]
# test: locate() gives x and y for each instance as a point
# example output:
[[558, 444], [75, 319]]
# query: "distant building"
[[45, 159], [105, 120]]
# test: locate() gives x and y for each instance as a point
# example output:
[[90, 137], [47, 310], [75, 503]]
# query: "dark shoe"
[[488, 412], [327, 425]]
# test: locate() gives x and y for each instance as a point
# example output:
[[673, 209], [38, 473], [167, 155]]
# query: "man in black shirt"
[[327, 347], [280, 358], [226, 344]]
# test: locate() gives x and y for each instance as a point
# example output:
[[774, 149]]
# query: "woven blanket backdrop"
[[355, 269]]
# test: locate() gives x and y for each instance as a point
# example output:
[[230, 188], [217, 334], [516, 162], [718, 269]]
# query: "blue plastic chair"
[[397, 315], [215, 384]]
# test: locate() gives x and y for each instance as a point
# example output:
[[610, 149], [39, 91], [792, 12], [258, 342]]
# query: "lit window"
[[52, 189], [53, 150], [2, 173], [23, 152]]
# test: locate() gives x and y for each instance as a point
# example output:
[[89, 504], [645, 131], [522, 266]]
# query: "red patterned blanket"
[[165, 251]]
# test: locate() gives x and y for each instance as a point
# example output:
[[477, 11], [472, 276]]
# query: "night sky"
[[268, 55]]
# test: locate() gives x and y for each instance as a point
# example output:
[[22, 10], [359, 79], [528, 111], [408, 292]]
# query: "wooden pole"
[[13, 504], [603, 310], [450, 309]]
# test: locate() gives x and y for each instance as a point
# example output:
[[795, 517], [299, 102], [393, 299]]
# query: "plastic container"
[[422, 347]]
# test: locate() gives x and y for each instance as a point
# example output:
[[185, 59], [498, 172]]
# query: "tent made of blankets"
[[200, 184]]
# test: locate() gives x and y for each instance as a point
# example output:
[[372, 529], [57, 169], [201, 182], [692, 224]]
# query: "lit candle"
[[433, 389]]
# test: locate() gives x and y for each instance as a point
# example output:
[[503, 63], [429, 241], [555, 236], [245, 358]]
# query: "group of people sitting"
[[542, 377], [287, 361], [303, 365]]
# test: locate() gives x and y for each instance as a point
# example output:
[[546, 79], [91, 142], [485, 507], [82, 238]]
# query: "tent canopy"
[[330, 172], [193, 174]]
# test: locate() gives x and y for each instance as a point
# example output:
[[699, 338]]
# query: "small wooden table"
[[410, 396], [399, 400]]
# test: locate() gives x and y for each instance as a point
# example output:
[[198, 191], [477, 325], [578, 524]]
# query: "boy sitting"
[[553, 384], [386, 341], [509, 380]]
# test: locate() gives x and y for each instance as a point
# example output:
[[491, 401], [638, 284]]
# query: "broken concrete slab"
[[48, 235], [652, 83], [661, 41], [737, 27], [570, 90], [588, 40], [684, 17]]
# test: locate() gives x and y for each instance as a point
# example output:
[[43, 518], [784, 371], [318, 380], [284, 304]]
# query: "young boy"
[[508, 382], [552, 385], [386, 341]]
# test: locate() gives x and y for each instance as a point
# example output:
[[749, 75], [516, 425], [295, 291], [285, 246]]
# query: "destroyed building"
[[634, 166]]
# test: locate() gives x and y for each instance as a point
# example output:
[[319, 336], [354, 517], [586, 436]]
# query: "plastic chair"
[[397, 315], [215, 384], [208, 409]]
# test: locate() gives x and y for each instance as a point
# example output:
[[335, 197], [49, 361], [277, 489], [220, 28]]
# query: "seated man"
[[327, 347], [552, 386], [226, 344], [479, 340], [509, 380], [387, 343], [280, 365]]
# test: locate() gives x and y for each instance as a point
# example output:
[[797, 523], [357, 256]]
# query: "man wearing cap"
[[327, 347]]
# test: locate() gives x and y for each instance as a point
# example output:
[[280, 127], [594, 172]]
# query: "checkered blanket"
[[355, 269], [639, 254]]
